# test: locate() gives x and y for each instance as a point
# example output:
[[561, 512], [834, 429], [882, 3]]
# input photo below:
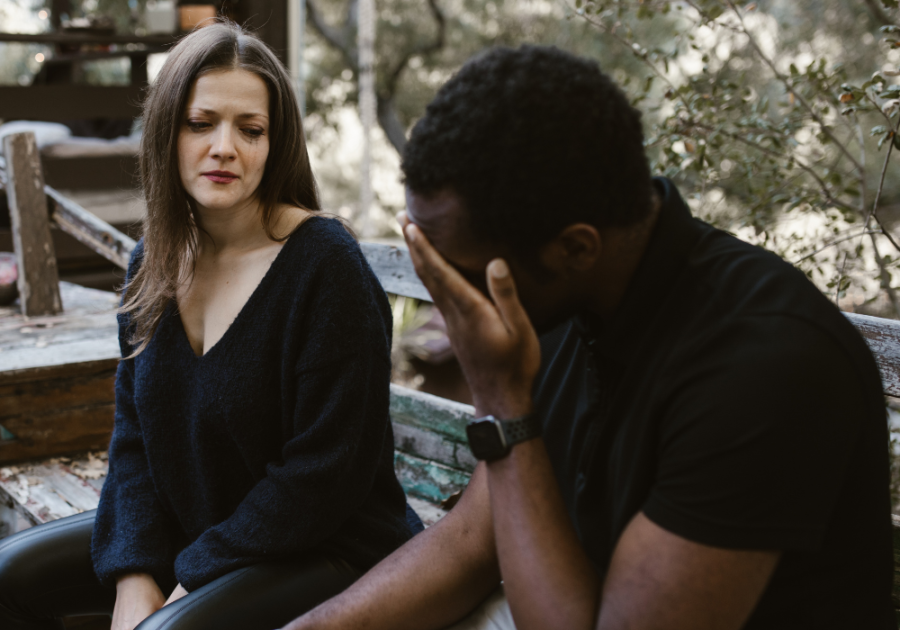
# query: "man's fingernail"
[[410, 232], [401, 218], [499, 269]]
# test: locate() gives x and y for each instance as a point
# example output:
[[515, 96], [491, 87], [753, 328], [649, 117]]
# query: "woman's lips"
[[220, 177]]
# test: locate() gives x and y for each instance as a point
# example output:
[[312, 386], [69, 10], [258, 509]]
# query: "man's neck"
[[623, 251]]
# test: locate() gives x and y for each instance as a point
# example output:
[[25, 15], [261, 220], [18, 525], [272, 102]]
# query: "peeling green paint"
[[433, 413], [426, 479]]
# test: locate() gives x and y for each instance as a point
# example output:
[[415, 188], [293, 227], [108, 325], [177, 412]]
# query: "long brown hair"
[[171, 231]]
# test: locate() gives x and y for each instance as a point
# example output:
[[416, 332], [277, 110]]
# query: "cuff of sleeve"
[[109, 571], [199, 564], [730, 534]]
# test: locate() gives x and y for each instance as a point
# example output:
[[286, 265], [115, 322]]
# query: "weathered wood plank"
[[883, 337], [395, 271], [92, 385], [432, 413], [38, 277], [59, 432], [51, 346], [49, 415], [430, 445], [51, 489], [89, 230], [428, 512], [426, 479], [42, 102]]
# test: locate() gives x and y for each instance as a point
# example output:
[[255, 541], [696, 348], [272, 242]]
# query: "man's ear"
[[576, 249]]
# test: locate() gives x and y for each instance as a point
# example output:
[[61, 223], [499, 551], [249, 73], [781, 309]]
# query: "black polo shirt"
[[729, 401]]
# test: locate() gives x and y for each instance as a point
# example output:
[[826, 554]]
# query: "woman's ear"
[[577, 248]]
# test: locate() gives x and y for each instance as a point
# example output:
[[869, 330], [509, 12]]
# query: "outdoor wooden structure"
[[432, 458], [58, 96]]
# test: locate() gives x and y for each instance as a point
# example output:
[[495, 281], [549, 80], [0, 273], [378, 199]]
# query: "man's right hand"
[[137, 597]]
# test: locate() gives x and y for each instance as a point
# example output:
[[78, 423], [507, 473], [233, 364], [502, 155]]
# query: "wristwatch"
[[490, 438]]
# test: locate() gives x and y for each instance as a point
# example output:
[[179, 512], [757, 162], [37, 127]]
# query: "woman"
[[251, 471]]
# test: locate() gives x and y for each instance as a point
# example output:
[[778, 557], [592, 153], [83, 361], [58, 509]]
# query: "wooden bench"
[[432, 458]]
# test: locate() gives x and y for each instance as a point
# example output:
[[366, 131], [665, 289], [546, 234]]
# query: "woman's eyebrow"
[[212, 112]]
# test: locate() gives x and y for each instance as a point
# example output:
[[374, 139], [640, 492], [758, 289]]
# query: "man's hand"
[[495, 343], [177, 594], [137, 597]]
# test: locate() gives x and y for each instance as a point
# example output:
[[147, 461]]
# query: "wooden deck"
[[39, 492], [57, 375]]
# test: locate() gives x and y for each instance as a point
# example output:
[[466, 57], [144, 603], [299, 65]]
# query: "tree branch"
[[387, 113], [878, 13], [424, 49], [885, 277], [341, 38], [789, 84], [390, 123], [344, 41]]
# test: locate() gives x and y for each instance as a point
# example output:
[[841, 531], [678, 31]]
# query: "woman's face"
[[224, 140]]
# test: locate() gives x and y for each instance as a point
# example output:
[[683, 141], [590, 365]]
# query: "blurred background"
[[777, 118]]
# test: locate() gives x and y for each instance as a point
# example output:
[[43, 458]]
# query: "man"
[[698, 438]]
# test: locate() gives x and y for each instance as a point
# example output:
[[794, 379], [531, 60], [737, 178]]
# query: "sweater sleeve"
[[340, 380], [130, 534]]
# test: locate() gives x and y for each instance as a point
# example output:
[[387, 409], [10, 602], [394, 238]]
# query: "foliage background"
[[776, 118]]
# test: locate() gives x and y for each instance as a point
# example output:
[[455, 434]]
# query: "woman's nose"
[[223, 143]]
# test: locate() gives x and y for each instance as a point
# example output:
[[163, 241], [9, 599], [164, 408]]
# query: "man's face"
[[447, 224]]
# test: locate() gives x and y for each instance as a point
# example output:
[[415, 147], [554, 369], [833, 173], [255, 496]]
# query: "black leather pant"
[[46, 573]]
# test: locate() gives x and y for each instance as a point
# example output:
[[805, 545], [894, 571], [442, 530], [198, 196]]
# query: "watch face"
[[485, 440]]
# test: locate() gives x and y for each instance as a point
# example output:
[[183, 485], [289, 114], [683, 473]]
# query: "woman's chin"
[[216, 203]]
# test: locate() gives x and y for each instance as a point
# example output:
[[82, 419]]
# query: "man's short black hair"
[[532, 140]]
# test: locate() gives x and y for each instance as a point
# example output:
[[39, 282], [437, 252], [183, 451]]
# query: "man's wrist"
[[504, 409], [491, 438]]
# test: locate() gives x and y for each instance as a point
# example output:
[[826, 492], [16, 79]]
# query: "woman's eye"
[[253, 132], [196, 125]]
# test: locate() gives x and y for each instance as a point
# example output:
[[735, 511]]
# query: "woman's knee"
[[260, 597], [42, 560]]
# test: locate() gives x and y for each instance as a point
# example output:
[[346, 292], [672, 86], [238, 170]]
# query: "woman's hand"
[[177, 594], [137, 597], [495, 343]]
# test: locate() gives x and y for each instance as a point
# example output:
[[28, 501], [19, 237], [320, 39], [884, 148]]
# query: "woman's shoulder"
[[137, 256], [330, 231], [324, 244], [322, 256]]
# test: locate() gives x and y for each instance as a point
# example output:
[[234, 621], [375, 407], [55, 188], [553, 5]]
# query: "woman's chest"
[[240, 391], [217, 293]]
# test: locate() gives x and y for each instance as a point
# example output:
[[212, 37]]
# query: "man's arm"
[[656, 579], [430, 582]]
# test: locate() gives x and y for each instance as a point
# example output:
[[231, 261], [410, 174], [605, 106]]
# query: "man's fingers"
[[447, 287], [506, 298]]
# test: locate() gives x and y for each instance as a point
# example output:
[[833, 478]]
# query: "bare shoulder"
[[287, 218]]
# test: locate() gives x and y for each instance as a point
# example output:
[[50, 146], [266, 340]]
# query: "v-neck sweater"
[[274, 444]]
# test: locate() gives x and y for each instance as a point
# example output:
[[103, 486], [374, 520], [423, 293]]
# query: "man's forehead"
[[443, 218], [440, 211]]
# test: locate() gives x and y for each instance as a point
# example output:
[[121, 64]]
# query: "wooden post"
[[38, 276]]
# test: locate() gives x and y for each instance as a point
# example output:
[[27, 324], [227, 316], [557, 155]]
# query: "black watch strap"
[[520, 429], [491, 439]]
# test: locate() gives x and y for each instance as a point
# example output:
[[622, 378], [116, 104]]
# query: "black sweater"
[[275, 443]]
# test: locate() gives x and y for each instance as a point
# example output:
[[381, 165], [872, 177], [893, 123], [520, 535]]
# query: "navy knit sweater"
[[275, 443]]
